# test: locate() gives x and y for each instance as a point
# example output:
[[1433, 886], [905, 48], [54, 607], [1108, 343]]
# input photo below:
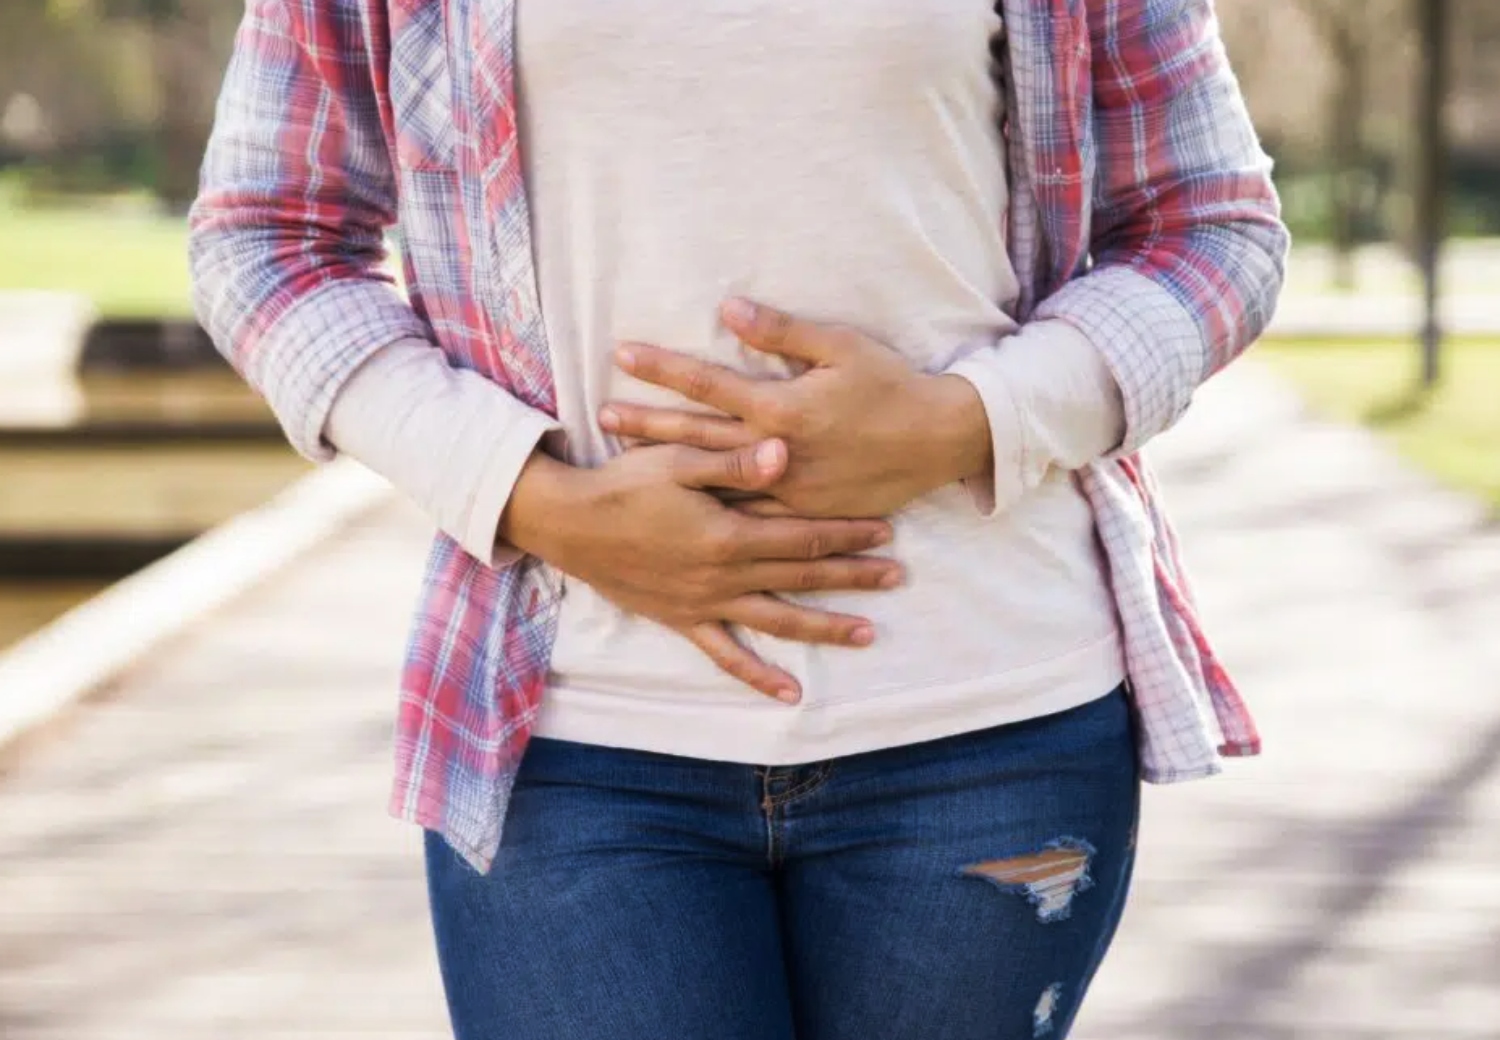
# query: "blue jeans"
[[962, 889]]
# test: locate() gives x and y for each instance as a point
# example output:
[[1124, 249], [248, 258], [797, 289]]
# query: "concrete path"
[[203, 852]]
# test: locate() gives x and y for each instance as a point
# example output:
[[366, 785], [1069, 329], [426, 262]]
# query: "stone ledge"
[[89, 646]]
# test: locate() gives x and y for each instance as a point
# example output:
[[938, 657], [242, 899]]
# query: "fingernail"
[[788, 695], [890, 579], [609, 419], [864, 635], [883, 537], [739, 312], [768, 456], [626, 358]]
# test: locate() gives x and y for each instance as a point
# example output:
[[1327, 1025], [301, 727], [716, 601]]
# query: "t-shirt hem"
[[774, 734]]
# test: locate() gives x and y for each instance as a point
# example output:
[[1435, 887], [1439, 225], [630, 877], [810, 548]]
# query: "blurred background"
[[123, 437]]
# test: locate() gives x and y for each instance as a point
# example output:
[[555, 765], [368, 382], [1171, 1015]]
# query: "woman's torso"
[[842, 162]]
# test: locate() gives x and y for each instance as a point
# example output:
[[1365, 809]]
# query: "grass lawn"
[[130, 263], [1453, 432]]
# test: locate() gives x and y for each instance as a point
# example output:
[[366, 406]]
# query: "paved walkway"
[[203, 853]]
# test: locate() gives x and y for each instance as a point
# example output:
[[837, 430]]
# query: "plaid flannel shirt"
[[1142, 212]]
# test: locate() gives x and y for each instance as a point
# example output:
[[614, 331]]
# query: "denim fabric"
[[874, 897]]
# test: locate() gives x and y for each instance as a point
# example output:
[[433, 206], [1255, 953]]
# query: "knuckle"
[[811, 577], [783, 625], [717, 654], [736, 467], [815, 545], [694, 432], [699, 383], [645, 424], [632, 421], [853, 540], [737, 667]]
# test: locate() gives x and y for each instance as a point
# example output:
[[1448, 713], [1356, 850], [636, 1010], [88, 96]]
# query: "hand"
[[867, 433], [646, 533]]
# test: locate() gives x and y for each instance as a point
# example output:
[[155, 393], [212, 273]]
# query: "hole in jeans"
[[1049, 878], [1046, 1007]]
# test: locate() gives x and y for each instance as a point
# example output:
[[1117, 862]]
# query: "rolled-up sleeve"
[[1051, 402], [447, 438]]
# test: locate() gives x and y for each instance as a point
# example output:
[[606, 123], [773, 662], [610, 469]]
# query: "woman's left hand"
[[867, 433]]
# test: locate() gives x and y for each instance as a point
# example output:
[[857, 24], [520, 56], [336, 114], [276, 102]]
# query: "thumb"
[[752, 468]]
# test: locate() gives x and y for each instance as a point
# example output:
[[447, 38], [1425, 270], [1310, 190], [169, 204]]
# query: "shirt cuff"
[[1051, 403], [447, 438]]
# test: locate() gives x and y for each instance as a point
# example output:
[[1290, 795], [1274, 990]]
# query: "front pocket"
[[422, 87]]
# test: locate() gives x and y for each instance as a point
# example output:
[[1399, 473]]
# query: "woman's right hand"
[[646, 532]]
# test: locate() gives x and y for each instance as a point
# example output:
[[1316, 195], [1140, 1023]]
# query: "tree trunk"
[[1346, 116], [180, 134], [1433, 24]]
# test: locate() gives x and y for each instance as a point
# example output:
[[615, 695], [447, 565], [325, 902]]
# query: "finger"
[[832, 574], [665, 426], [793, 538], [745, 469], [777, 332], [721, 647], [776, 617], [710, 384]]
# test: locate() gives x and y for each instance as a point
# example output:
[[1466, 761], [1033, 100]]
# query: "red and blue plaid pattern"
[[1142, 212]]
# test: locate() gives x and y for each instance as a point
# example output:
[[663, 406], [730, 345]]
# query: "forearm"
[[449, 439], [539, 516], [955, 441]]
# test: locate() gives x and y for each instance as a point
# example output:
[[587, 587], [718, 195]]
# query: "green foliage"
[[1384, 208], [125, 161]]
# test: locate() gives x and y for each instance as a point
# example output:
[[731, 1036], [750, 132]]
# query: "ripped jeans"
[[962, 889]]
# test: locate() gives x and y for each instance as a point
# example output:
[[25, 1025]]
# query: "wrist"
[[960, 445], [547, 494]]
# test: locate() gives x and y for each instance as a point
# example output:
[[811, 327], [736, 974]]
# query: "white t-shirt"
[[842, 162]]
